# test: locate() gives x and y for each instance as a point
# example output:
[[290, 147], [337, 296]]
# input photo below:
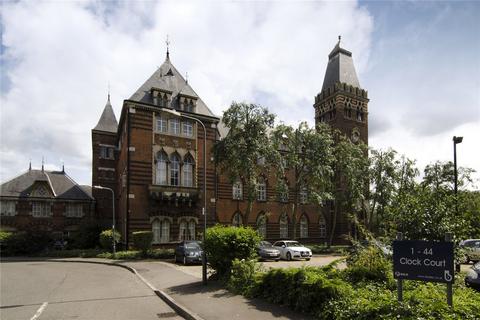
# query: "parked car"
[[266, 250], [292, 249], [473, 277], [472, 249], [188, 251]]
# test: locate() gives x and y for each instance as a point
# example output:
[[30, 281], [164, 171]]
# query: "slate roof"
[[167, 77], [340, 68], [108, 121], [59, 182]]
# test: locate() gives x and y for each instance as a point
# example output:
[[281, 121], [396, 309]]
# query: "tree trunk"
[[294, 220], [247, 212], [333, 222]]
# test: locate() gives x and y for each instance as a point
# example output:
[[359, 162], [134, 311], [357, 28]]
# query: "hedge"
[[106, 239], [142, 240]]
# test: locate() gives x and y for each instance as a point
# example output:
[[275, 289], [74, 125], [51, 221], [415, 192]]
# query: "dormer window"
[[160, 98]]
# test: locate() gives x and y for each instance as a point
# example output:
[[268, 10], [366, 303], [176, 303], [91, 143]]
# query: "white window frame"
[[8, 208], [161, 125], [175, 170], [191, 229], [161, 170], [237, 190], [303, 196], [183, 230], [187, 172], [156, 230], [187, 128], [262, 190], [165, 231], [41, 209], [74, 210], [174, 125]]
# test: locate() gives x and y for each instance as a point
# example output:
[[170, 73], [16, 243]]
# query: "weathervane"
[[167, 42]]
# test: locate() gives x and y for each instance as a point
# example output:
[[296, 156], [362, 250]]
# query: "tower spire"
[[167, 42]]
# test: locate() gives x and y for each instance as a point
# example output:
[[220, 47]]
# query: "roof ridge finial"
[[109, 91], [30, 165], [42, 162], [186, 77], [167, 42], [63, 167], [339, 39]]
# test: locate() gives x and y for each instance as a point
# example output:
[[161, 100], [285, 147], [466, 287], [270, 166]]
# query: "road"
[[55, 290]]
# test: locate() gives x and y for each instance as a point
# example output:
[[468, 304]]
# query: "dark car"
[[473, 277], [188, 251], [266, 250]]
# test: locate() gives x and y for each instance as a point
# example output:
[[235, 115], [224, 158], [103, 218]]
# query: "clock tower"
[[342, 103]]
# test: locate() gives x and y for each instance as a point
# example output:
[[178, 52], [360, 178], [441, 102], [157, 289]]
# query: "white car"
[[292, 250], [472, 249]]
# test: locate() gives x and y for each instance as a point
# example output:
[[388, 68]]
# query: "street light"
[[113, 215], [456, 140], [204, 209]]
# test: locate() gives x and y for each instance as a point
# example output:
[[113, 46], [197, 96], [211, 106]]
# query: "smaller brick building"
[[45, 200]]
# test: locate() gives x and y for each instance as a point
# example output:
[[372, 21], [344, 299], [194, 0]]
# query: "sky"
[[419, 61]]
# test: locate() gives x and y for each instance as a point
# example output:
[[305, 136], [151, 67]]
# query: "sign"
[[423, 260]]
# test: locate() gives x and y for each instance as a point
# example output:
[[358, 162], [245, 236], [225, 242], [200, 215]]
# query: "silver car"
[[292, 250], [472, 249]]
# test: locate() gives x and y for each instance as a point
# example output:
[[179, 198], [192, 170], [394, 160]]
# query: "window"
[[174, 170], [187, 173], [303, 196], [74, 210], [188, 106], [162, 125], [182, 232], [174, 126], [261, 190], [187, 129], [283, 193], [157, 231], [303, 227], [106, 152], [237, 220], [237, 190], [165, 232], [262, 225], [283, 226], [41, 209], [161, 175], [191, 229], [261, 161], [7, 208], [322, 226]]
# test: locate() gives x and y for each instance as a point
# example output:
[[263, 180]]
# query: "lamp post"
[[456, 140], [204, 209], [113, 215]]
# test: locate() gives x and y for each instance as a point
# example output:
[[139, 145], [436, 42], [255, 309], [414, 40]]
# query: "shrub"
[[142, 240], [4, 236], [244, 274], [106, 239], [27, 242], [86, 237], [161, 253], [369, 264], [225, 244]]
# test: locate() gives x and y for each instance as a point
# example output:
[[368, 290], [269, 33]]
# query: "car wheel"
[[276, 260], [308, 259], [184, 260], [289, 256]]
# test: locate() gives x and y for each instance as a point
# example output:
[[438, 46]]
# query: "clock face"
[[355, 135]]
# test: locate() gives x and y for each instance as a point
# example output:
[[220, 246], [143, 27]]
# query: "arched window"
[[165, 236], [303, 227], [283, 226], [322, 227], [237, 190], [261, 189], [174, 170], [187, 172], [157, 231], [191, 229], [237, 220], [262, 225], [161, 175], [183, 232]]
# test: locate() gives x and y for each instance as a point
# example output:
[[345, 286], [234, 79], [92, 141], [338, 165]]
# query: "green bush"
[[244, 274], [86, 237], [161, 254], [26, 242], [106, 239], [369, 264], [142, 240], [4, 236], [225, 244]]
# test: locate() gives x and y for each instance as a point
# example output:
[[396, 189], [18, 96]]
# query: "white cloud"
[[60, 56]]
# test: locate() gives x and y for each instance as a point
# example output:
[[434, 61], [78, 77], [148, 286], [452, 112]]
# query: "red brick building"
[[153, 160]]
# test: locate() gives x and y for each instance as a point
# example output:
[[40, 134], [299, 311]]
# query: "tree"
[[309, 154], [350, 182], [239, 155]]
